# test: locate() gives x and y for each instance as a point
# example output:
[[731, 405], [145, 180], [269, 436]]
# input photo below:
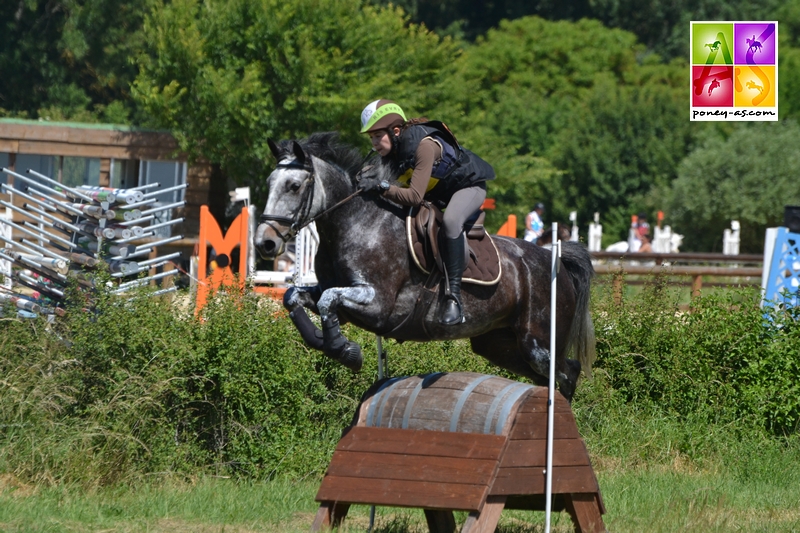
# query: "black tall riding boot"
[[454, 265]]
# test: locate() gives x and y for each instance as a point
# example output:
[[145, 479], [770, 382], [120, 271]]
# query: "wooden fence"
[[737, 271]]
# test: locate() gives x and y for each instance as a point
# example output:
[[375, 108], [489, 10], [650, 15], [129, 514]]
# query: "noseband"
[[295, 223]]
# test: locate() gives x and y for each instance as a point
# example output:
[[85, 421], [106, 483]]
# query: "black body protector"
[[457, 169]]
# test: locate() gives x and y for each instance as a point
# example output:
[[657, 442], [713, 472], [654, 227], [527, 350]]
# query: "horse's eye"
[[294, 186]]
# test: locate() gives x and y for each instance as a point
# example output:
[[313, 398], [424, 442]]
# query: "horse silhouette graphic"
[[755, 46], [753, 85], [713, 46], [713, 85]]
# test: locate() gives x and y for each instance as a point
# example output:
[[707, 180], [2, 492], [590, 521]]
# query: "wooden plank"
[[9, 145], [680, 270], [531, 480], [537, 402], [486, 520], [401, 493], [87, 135], [435, 469], [422, 442], [440, 521], [585, 513], [703, 257], [532, 426], [535, 502], [566, 452], [329, 515], [99, 151]]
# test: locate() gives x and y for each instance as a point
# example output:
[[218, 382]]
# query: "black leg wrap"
[[336, 346], [311, 334]]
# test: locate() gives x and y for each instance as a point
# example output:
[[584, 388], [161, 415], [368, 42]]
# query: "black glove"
[[369, 182], [373, 185]]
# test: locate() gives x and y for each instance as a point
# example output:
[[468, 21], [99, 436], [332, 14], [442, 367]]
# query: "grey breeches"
[[462, 205]]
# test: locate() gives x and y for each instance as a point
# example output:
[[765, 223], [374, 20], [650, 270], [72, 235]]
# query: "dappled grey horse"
[[366, 275]]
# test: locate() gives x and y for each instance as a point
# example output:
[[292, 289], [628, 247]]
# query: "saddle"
[[422, 231]]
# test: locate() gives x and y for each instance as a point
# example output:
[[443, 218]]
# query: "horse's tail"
[[578, 262]]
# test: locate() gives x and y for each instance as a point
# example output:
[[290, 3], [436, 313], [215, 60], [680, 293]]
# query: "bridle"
[[296, 223], [303, 210]]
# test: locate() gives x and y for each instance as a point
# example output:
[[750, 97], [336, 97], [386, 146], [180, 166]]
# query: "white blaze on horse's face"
[[288, 203]]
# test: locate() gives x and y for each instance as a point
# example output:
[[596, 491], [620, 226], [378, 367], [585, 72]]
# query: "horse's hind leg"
[[525, 356], [538, 357], [501, 348]]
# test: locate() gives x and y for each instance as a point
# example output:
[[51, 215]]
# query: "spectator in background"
[[534, 226], [642, 227], [645, 247]]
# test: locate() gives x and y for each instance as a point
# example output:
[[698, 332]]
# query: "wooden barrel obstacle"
[[459, 441]]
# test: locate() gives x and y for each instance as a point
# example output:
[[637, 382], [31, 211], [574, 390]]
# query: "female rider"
[[433, 167]]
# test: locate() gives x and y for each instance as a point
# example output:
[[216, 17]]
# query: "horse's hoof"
[[350, 356]]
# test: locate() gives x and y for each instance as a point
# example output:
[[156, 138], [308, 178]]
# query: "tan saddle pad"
[[422, 231]]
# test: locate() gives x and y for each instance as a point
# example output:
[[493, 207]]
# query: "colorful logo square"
[[754, 44], [711, 43], [754, 86], [713, 86]]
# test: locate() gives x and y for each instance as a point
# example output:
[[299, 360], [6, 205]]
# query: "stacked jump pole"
[[64, 233]]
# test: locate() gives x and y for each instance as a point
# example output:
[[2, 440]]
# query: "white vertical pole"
[[555, 254], [379, 342]]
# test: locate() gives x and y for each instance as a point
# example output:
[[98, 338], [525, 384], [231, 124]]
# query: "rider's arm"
[[528, 222], [427, 153]]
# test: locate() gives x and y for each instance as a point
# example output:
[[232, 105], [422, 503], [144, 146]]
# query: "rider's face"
[[381, 142]]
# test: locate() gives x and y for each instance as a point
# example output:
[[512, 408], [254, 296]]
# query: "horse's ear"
[[274, 149], [299, 154]]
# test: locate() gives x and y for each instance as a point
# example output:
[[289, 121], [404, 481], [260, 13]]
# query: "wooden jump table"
[[459, 441]]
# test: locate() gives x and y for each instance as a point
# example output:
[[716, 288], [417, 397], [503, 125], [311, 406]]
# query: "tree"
[[661, 25], [226, 76], [585, 120], [748, 177], [69, 59]]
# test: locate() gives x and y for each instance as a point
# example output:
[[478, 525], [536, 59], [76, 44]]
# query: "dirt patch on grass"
[[10, 485]]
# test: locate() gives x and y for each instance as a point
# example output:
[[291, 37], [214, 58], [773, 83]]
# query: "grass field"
[[758, 494]]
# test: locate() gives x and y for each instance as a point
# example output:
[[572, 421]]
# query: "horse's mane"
[[327, 146]]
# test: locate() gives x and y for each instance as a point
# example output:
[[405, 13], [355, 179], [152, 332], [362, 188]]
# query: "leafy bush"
[[724, 361], [140, 388]]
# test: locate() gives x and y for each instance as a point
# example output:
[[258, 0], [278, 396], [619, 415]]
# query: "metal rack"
[[66, 233]]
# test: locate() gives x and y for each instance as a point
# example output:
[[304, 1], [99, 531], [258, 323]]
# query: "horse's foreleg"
[[295, 300], [297, 297], [334, 344]]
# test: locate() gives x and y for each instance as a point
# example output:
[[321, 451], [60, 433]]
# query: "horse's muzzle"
[[268, 242]]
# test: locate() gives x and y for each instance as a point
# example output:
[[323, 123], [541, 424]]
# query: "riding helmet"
[[381, 115]]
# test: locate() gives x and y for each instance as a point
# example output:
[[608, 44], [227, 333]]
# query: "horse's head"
[[290, 200]]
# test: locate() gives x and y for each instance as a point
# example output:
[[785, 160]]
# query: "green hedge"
[[724, 361], [144, 388]]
